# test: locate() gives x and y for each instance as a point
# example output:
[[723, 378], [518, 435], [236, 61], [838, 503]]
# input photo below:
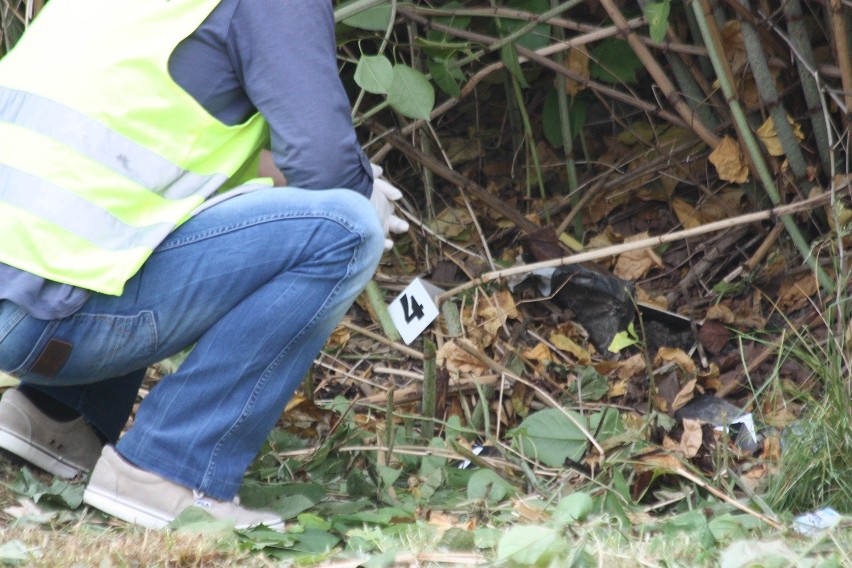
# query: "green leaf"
[[374, 74], [573, 508], [528, 544], [197, 520], [551, 121], [385, 516], [549, 436], [614, 62], [486, 537], [16, 552], [312, 521], [410, 93], [590, 385], [358, 485], [657, 14], [263, 538], [313, 541], [445, 77], [458, 22], [287, 500], [509, 57], [59, 493], [486, 485], [540, 35], [376, 19]]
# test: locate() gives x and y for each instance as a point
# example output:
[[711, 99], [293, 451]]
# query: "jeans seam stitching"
[[209, 473]]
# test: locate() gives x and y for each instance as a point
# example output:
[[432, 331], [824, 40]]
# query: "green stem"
[[754, 150], [377, 302], [354, 8], [525, 117], [769, 95], [430, 380], [805, 62], [567, 140]]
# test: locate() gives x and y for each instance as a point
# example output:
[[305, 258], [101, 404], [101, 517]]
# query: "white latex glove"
[[384, 194]]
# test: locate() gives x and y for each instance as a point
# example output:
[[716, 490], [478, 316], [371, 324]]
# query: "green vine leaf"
[[374, 74], [657, 14], [410, 93]]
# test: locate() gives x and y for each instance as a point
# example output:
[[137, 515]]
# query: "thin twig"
[[650, 242]]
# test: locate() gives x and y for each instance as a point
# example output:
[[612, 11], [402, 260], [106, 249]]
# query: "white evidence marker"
[[414, 309]]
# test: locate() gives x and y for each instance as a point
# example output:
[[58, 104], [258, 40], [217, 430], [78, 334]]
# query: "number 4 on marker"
[[415, 311]]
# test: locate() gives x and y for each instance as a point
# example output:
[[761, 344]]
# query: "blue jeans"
[[257, 283]]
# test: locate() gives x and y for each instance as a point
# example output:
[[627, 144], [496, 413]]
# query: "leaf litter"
[[549, 446]]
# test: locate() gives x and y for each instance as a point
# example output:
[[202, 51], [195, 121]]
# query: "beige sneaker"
[[119, 488], [66, 449]]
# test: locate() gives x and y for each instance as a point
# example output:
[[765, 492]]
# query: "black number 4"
[[412, 312]]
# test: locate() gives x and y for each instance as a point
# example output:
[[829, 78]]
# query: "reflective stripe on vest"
[[103, 145], [102, 154]]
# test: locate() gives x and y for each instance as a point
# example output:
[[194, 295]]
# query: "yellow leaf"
[[577, 60], [567, 344], [769, 136], [728, 160], [685, 213], [677, 356], [540, 352], [720, 312]]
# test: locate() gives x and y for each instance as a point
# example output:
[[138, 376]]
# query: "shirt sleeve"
[[284, 53]]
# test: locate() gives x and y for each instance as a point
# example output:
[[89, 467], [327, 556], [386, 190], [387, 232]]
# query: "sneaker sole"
[[122, 510], [145, 518], [38, 457]]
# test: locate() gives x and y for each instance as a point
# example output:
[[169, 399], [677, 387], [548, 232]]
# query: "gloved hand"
[[384, 194]]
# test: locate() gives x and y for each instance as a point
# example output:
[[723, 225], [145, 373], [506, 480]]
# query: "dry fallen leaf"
[[568, 345], [339, 337], [685, 213], [636, 264], [677, 356], [769, 136], [685, 395], [541, 354], [728, 159], [659, 461], [692, 437], [795, 292], [576, 60], [457, 360]]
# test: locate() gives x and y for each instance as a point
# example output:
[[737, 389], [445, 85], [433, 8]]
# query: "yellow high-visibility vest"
[[102, 154]]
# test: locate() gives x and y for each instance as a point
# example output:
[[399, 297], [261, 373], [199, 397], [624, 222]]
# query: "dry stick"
[[769, 214], [746, 509], [385, 341], [414, 392], [542, 60], [455, 178], [672, 95], [470, 349], [758, 255], [842, 55]]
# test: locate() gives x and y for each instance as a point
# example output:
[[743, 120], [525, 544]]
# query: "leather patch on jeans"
[[52, 357]]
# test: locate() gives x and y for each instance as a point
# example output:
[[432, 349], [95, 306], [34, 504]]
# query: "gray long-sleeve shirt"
[[277, 57]]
